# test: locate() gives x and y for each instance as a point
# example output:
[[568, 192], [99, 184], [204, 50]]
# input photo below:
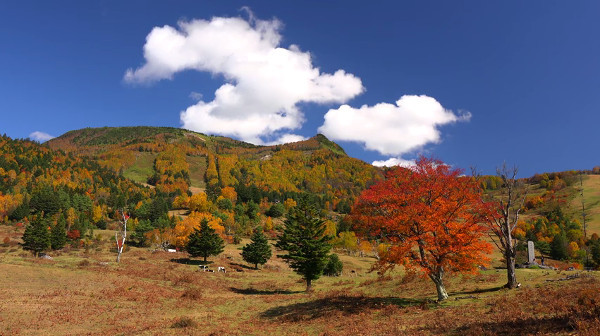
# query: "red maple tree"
[[430, 216]]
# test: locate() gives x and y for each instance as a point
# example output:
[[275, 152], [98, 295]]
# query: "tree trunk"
[[205, 259], [510, 270], [308, 285], [439, 285], [256, 266]]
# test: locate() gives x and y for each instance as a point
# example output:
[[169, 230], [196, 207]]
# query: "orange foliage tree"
[[429, 215]]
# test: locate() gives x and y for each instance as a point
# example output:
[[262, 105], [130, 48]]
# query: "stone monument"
[[530, 252]]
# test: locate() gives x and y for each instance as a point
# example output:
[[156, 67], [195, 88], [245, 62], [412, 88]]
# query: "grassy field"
[[197, 170], [142, 169], [591, 197], [157, 293]]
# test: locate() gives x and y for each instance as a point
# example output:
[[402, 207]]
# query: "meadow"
[[85, 292]]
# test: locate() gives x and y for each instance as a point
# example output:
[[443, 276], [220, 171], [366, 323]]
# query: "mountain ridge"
[[129, 135], [175, 160]]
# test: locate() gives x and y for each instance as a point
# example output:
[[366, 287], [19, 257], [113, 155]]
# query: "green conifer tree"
[[558, 247], [334, 266], [36, 237], [58, 234], [205, 242], [258, 251], [138, 237], [303, 237]]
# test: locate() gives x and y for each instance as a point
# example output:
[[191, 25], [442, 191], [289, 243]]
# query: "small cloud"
[[392, 162], [197, 96], [40, 136], [389, 129], [286, 138]]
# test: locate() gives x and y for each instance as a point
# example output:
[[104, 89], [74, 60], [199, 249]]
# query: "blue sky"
[[473, 83]]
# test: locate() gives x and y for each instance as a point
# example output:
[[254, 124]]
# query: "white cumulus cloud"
[[264, 81], [391, 129], [40, 136]]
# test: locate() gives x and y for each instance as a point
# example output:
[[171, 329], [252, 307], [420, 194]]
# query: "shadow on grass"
[[188, 261], [524, 326], [479, 291], [327, 306], [243, 266], [253, 291]]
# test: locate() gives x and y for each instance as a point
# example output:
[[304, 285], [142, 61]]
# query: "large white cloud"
[[40, 136], [391, 129], [264, 81]]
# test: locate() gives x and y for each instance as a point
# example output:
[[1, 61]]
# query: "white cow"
[[221, 269]]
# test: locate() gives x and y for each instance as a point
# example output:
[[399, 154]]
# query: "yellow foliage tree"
[[573, 249], [347, 240], [199, 203], [181, 202], [289, 203], [330, 228], [185, 227], [97, 213], [161, 238], [268, 224], [365, 247], [71, 218]]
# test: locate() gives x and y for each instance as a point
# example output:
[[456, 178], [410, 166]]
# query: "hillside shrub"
[[334, 266], [184, 322], [276, 210]]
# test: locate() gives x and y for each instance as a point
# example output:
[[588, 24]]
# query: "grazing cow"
[[171, 250], [221, 269], [203, 268]]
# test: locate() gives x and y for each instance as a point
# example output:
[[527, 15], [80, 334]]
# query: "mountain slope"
[[36, 180], [175, 159]]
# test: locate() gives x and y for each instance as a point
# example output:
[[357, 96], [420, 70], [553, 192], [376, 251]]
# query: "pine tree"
[[258, 251], [139, 234], [205, 242], [58, 234], [303, 237], [36, 237], [559, 247]]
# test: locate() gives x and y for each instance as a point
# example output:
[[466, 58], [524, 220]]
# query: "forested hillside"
[[559, 213], [38, 182], [80, 181], [174, 160]]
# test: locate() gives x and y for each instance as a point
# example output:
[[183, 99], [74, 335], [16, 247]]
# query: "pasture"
[[83, 291]]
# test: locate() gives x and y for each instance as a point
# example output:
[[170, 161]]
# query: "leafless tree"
[[503, 217], [121, 234]]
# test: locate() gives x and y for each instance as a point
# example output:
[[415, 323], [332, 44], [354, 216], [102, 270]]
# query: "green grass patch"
[[197, 170], [142, 168]]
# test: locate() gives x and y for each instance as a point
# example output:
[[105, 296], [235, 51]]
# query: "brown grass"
[[154, 293]]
